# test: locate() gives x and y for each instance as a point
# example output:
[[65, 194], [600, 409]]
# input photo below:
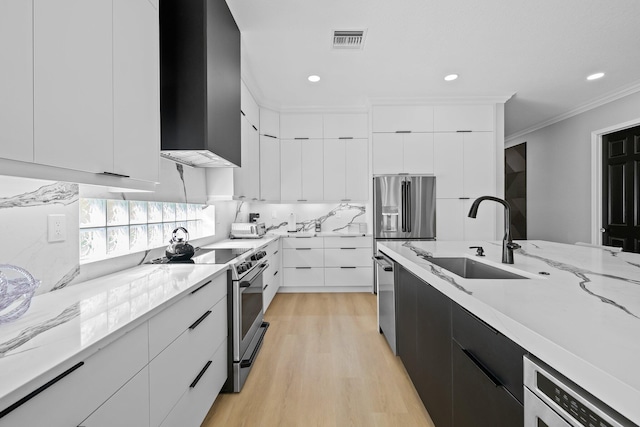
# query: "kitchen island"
[[576, 308]]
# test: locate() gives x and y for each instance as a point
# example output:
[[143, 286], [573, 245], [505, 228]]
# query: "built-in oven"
[[386, 298], [551, 400], [246, 318]]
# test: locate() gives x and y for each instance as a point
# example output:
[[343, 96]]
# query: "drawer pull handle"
[[347, 267], [197, 322], [303, 268], [265, 287], [275, 252], [195, 382], [39, 390], [275, 273], [482, 368], [196, 290]]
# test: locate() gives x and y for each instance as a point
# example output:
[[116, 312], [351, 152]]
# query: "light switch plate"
[[57, 228]]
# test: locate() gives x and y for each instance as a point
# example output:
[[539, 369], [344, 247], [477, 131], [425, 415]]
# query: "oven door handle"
[[383, 262], [245, 363], [245, 283]]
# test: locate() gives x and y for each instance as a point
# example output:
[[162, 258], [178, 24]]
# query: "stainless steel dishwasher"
[[551, 400], [386, 298]]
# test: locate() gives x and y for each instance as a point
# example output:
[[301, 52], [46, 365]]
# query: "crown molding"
[[595, 103], [441, 100]]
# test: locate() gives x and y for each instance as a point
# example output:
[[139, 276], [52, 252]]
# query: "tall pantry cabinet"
[[457, 144]]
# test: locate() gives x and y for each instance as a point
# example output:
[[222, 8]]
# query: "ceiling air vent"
[[348, 39]]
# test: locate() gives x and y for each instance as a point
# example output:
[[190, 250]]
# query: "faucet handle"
[[479, 251], [513, 245]]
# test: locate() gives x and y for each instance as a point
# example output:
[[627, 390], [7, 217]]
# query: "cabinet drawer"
[[128, 407], [358, 276], [497, 353], [171, 372], [347, 242], [82, 388], [303, 277], [348, 257], [476, 397], [167, 325], [302, 242], [197, 400], [303, 257], [272, 248]]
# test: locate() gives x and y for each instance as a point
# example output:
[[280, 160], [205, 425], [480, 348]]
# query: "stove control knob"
[[241, 267], [255, 257]]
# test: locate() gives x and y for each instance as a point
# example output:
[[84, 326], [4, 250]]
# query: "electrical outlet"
[[57, 228]]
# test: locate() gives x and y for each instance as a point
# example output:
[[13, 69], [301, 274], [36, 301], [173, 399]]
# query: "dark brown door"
[[621, 189]]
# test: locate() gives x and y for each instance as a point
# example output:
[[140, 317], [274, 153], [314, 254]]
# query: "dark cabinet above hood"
[[199, 83]]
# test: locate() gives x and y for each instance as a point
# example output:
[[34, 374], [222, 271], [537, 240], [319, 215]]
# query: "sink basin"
[[472, 269]]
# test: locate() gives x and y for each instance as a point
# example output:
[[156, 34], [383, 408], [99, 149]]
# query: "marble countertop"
[[583, 318], [318, 234], [243, 243], [79, 320]]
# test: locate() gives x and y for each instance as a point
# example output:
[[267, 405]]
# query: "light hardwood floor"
[[323, 363]]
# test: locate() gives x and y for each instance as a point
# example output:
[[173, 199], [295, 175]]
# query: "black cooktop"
[[207, 256]]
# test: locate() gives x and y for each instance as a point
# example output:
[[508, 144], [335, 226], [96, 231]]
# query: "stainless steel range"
[[245, 318]]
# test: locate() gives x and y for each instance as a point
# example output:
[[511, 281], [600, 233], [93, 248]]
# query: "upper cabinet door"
[[290, 170], [418, 153], [452, 118], [312, 170], [479, 164], [16, 80], [300, 126], [387, 154], [248, 105], [269, 168], [73, 109], [403, 119], [269, 123], [346, 126], [334, 169], [136, 89], [357, 180], [448, 168]]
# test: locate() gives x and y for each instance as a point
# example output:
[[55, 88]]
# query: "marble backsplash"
[[25, 205]]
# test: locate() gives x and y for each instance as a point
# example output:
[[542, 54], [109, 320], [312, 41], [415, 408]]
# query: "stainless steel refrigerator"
[[404, 207]]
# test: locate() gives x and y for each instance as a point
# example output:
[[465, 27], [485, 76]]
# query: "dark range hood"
[[199, 83]]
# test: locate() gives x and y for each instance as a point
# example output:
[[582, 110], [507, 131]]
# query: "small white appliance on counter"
[[247, 230]]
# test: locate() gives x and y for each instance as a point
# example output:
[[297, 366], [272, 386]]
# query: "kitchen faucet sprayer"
[[507, 245]]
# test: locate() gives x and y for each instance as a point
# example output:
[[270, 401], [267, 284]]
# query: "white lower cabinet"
[[78, 389], [173, 371], [124, 409], [341, 261], [272, 277]]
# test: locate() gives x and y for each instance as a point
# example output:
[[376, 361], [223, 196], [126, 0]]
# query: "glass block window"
[[109, 228]]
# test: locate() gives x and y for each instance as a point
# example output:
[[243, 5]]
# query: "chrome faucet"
[[507, 245]]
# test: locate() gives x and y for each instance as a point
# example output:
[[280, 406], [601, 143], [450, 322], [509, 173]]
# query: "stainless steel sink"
[[472, 269]]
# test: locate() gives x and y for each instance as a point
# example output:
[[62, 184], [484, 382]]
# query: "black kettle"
[[179, 248]]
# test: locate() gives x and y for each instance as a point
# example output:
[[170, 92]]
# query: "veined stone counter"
[[583, 318]]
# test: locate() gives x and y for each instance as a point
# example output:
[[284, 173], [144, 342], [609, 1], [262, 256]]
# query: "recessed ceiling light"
[[313, 78], [595, 76], [451, 77]]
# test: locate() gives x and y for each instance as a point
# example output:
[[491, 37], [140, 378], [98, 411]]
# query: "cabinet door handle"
[[195, 382], [197, 322], [276, 272], [487, 373], [270, 136], [303, 249], [463, 131], [242, 112], [345, 137], [301, 138], [117, 175], [254, 128], [275, 252], [303, 268], [39, 390], [196, 290], [347, 267], [265, 287], [403, 131], [464, 198], [348, 249]]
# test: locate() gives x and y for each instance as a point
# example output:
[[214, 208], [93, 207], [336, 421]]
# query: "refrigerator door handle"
[[403, 204], [409, 219]]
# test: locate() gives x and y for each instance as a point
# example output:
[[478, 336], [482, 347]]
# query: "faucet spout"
[[507, 244]]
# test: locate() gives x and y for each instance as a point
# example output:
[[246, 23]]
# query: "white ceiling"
[[539, 51]]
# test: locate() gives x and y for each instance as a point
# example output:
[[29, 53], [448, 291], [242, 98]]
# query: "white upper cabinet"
[[73, 90], [290, 170], [312, 170], [269, 168], [300, 126], [16, 80], [248, 105], [269, 123], [452, 118], [403, 153], [346, 126], [465, 164], [136, 90], [246, 179], [357, 165], [335, 170], [403, 119]]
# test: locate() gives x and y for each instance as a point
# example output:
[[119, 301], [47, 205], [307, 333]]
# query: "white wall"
[[559, 171]]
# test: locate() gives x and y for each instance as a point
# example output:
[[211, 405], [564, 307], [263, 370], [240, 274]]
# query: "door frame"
[[596, 176]]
